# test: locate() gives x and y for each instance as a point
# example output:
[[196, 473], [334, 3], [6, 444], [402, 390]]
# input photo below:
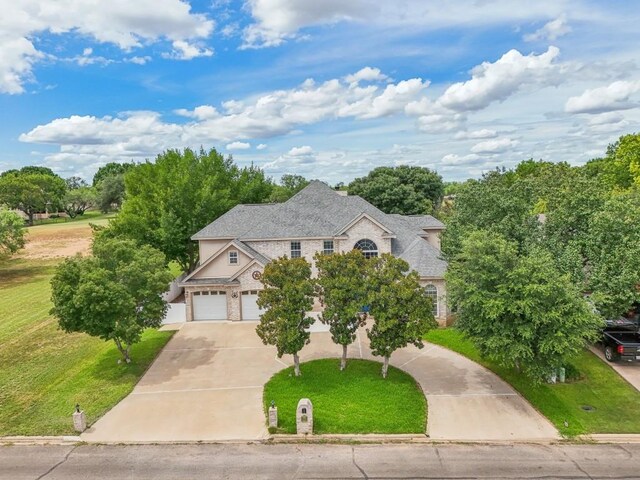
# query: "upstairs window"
[[296, 250], [367, 247], [233, 257], [327, 247], [432, 293]]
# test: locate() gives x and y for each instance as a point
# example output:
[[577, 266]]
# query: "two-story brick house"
[[235, 248]]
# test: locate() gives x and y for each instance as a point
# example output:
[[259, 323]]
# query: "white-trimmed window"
[[368, 248], [233, 257], [432, 293], [327, 247], [296, 250]]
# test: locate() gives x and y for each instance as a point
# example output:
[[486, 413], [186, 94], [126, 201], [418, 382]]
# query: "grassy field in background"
[[44, 372], [356, 400], [615, 402]]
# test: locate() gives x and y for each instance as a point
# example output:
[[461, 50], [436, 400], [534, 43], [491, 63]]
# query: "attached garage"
[[250, 309], [210, 305]]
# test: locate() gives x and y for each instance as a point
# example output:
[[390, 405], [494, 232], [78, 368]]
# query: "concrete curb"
[[612, 438], [41, 440], [399, 438]]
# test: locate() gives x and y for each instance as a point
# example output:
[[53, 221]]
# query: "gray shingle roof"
[[318, 211]]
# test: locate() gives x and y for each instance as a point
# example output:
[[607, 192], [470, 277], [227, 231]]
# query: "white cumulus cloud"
[[126, 24], [491, 82], [300, 151], [238, 146], [604, 99], [366, 74], [494, 146]]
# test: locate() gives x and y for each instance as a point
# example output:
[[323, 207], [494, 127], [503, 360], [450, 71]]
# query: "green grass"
[[92, 216], [357, 400], [615, 401], [44, 372]]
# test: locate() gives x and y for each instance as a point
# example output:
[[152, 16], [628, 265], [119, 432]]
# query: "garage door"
[[210, 305], [250, 309]]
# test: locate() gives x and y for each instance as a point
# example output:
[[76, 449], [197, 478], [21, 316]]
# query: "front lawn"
[[357, 400], [44, 372], [615, 402]]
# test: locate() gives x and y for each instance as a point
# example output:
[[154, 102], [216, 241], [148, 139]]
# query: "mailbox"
[[304, 417]]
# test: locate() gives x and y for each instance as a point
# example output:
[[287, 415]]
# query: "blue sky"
[[326, 89]]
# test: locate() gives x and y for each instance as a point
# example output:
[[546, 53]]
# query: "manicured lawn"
[[44, 372], [92, 216], [357, 400], [616, 402]]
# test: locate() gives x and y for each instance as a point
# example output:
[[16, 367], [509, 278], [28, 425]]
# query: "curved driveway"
[[206, 385]]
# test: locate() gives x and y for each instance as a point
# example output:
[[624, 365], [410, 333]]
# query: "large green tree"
[[286, 298], [11, 232], [612, 248], [169, 200], [289, 185], [401, 309], [342, 289], [111, 169], [501, 201], [31, 190], [517, 307], [114, 295], [110, 193], [404, 189]]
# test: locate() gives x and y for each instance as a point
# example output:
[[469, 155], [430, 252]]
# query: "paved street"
[[206, 385], [231, 461]]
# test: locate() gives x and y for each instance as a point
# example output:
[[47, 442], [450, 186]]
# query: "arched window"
[[367, 247], [432, 293]]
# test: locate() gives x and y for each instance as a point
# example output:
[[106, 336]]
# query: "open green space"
[[356, 400], [614, 401], [91, 216], [44, 372]]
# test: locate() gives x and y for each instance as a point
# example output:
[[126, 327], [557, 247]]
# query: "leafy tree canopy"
[[180, 193], [111, 169], [342, 290], [110, 193], [32, 192], [11, 232], [400, 307], [517, 307], [113, 295], [288, 187], [78, 200], [287, 297], [406, 190]]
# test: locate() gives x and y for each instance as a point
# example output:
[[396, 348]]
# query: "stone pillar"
[[79, 420], [273, 416], [304, 417]]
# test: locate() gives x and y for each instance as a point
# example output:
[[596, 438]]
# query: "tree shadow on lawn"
[[16, 271]]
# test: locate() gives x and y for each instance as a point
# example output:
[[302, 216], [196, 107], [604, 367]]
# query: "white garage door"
[[250, 309], [210, 305]]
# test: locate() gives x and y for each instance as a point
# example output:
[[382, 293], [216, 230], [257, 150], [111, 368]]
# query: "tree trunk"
[[123, 351], [385, 366], [343, 360], [30, 220], [296, 365]]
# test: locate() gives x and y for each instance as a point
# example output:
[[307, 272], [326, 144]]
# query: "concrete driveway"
[[206, 385], [630, 371]]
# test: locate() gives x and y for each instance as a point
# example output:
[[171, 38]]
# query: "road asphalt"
[[320, 461]]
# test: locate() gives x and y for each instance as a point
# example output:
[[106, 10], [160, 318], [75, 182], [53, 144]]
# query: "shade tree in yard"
[[114, 295], [286, 298], [341, 287], [518, 308], [405, 189], [612, 246], [11, 232], [169, 200], [32, 190], [401, 309]]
